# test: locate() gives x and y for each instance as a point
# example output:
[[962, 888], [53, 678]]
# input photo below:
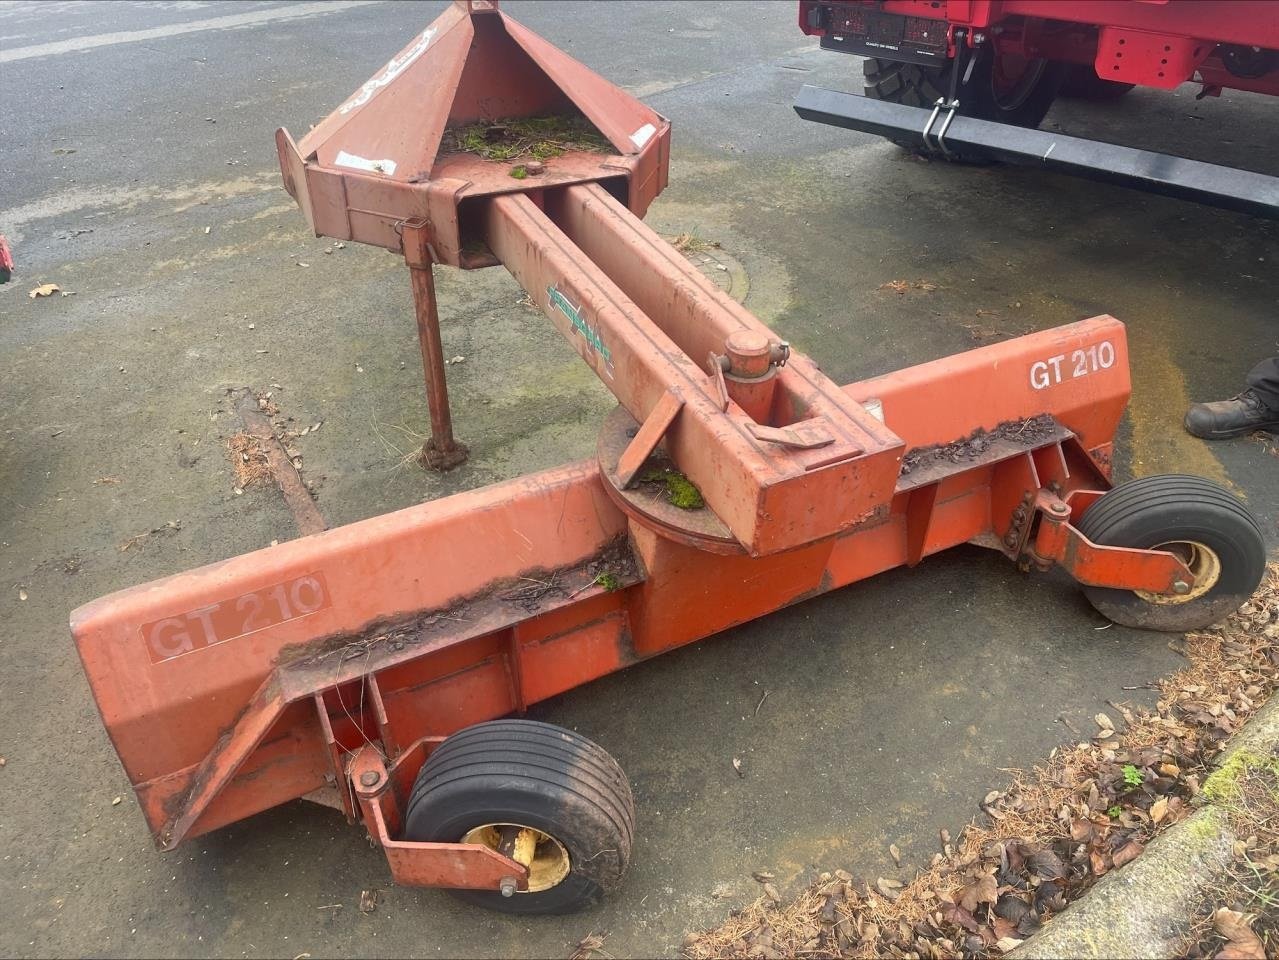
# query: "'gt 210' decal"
[[227, 619], [1071, 366]]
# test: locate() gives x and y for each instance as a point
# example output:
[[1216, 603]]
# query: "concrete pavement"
[[131, 128]]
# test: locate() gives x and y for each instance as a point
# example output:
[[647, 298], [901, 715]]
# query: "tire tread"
[[1151, 510], [556, 774]]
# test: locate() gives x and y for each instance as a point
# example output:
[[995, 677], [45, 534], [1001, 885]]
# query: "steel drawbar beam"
[[1227, 187]]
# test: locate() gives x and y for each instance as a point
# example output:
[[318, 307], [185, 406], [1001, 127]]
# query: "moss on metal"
[[680, 491], [524, 138]]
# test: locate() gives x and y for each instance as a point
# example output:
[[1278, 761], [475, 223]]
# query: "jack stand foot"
[[442, 457]]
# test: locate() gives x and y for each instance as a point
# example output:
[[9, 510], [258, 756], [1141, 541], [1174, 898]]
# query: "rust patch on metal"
[[824, 585], [612, 568], [1101, 457], [296, 496], [176, 803], [1030, 432]]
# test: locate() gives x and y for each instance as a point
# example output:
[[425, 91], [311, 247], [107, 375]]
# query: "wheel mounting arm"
[[1092, 564]]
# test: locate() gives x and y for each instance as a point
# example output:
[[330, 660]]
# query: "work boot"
[[1231, 418]]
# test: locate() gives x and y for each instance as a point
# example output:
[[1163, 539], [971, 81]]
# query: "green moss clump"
[[519, 173], [608, 581], [1223, 784], [680, 491]]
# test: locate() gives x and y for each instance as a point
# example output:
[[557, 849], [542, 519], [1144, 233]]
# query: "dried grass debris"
[[248, 460]]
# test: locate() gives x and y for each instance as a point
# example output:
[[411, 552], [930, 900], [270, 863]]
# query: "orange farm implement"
[[369, 666]]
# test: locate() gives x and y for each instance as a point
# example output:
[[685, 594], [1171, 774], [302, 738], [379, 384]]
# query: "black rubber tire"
[[1153, 510], [920, 86], [537, 775], [1082, 83]]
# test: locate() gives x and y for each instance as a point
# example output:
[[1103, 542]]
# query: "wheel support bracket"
[[471, 866], [1095, 565]]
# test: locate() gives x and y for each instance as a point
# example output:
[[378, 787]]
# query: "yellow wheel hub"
[[1202, 562], [542, 855]]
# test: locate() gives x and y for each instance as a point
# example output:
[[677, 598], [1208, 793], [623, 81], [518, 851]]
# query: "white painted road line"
[[293, 11]]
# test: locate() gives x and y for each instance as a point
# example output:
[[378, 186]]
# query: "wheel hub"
[[1203, 563], [545, 858]]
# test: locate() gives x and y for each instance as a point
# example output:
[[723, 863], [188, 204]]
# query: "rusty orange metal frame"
[[416, 624], [330, 666]]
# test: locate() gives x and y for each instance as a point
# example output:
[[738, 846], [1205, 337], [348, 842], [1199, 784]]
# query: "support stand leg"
[[441, 451]]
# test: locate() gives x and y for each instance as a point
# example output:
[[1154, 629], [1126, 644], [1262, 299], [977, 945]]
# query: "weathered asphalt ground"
[[892, 705]]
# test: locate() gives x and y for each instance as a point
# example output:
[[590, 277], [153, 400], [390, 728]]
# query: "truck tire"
[[1082, 83], [567, 792], [1005, 90]]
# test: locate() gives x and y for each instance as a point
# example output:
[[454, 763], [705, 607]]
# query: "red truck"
[[972, 79]]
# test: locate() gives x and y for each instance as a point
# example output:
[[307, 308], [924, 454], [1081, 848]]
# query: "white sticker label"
[[643, 135], [345, 159], [397, 66], [1078, 363]]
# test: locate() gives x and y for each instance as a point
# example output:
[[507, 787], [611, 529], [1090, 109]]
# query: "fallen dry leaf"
[[889, 887], [1047, 865], [1242, 943], [957, 914], [22, 593], [1127, 852], [1159, 809], [982, 890], [44, 290], [368, 901], [895, 853]]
